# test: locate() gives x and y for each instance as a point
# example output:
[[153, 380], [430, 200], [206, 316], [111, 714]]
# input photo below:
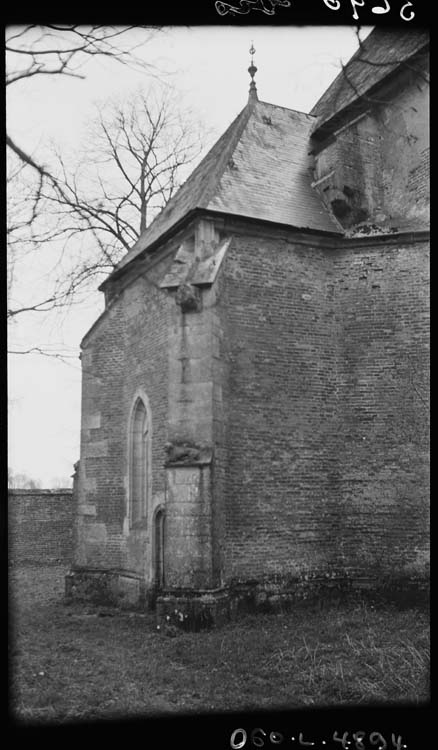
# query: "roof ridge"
[[237, 125], [289, 109], [216, 173]]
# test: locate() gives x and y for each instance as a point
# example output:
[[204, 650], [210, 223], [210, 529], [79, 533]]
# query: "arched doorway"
[[158, 531]]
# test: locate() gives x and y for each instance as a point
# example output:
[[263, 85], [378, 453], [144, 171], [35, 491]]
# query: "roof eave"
[[205, 213], [278, 224], [167, 235]]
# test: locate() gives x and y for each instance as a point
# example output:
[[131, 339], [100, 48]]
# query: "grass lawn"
[[71, 662]]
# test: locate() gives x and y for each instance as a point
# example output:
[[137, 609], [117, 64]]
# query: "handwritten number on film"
[[238, 739], [406, 14], [242, 7], [375, 739], [257, 739]]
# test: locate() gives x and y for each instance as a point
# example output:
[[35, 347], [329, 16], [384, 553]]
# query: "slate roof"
[[270, 175], [385, 52], [260, 168]]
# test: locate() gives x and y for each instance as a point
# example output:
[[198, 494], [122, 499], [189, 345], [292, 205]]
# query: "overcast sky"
[[208, 67]]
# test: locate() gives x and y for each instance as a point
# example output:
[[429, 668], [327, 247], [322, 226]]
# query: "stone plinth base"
[[267, 596], [107, 587], [193, 611]]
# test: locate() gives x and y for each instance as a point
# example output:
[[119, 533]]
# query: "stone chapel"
[[254, 409]]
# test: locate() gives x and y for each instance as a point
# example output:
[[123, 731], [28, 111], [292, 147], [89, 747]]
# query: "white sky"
[[208, 66]]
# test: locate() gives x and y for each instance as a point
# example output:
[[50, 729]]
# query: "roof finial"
[[252, 70]]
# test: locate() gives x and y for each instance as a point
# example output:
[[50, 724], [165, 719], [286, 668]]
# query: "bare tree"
[[29, 232], [22, 481], [94, 210], [136, 155], [52, 50], [90, 212], [61, 483], [63, 50]]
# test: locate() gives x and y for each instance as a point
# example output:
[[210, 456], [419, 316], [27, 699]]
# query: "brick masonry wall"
[[317, 393], [273, 454], [321, 459], [380, 495], [40, 527]]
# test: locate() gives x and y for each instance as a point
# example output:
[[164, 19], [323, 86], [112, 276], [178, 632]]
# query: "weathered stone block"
[[98, 449], [189, 298], [91, 421], [193, 612], [87, 510]]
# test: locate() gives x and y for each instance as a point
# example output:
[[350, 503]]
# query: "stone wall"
[[125, 355], [40, 527], [151, 342]]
